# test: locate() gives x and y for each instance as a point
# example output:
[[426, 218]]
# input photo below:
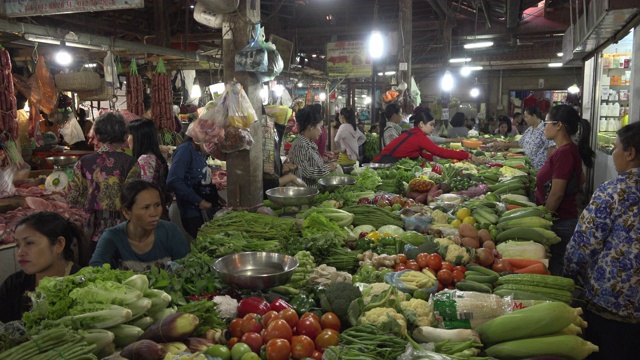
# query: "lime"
[[220, 351], [238, 350], [463, 213], [456, 223], [250, 356]]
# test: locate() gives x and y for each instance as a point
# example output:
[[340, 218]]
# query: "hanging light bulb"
[[322, 96], [475, 92], [196, 92], [446, 84], [376, 45], [63, 57], [573, 89]]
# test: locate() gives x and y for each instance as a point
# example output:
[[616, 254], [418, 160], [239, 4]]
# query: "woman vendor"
[[44, 248], [415, 142], [348, 139], [603, 257], [143, 240], [391, 128], [98, 178], [304, 152]]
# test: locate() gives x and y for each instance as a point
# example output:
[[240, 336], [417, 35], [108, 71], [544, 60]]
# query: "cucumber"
[[468, 285], [485, 279], [482, 269]]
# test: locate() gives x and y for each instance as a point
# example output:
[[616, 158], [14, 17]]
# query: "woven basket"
[[78, 81], [101, 94]]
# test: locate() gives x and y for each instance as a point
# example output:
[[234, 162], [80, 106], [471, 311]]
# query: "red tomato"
[[309, 327], [251, 323], [445, 277], [268, 317], [301, 347], [434, 261], [422, 260], [312, 315], [327, 337], [235, 327], [254, 340], [447, 265], [400, 267], [278, 329], [457, 276], [460, 268], [413, 265], [278, 349], [402, 258], [290, 316], [232, 342], [440, 286], [316, 355], [330, 320]]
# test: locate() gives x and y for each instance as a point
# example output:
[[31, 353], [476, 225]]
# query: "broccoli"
[[337, 298]]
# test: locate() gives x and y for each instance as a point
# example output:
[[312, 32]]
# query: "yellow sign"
[[348, 59]]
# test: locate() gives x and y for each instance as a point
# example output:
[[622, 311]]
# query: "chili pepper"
[[302, 304], [437, 169], [279, 305], [253, 305]]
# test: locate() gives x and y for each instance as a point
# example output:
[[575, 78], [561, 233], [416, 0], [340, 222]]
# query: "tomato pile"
[[281, 335], [447, 274]]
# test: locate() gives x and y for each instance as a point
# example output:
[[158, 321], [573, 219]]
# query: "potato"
[[467, 230], [484, 235], [489, 245], [470, 242]]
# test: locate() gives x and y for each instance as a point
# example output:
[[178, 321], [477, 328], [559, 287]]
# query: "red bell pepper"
[[437, 169], [279, 305], [254, 305], [494, 165]]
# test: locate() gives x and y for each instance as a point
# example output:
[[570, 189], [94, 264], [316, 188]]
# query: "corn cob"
[[528, 222], [548, 281], [558, 295], [564, 346], [537, 320]]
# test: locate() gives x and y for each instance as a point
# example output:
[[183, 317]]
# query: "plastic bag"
[[235, 139], [215, 111], [6, 181], [213, 150], [457, 309], [203, 131], [239, 108], [280, 113], [72, 132], [274, 64], [253, 57]]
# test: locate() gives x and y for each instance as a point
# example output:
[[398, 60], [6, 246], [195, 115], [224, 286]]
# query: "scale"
[[62, 172]]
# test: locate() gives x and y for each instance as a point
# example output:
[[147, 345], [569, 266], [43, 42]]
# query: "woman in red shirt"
[[561, 177], [415, 142]]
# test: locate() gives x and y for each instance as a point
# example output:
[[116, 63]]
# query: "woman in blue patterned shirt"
[[304, 152], [603, 255]]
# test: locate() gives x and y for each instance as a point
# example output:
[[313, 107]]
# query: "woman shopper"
[[390, 124], [505, 128], [304, 152], [603, 257], [348, 139], [190, 180], [561, 177], [533, 142], [415, 142], [44, 248], [143, 240], [458, 128], [98, 179]]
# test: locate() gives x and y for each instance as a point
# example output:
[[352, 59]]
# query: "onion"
[[484, 257], [501, 265], [489, 245]]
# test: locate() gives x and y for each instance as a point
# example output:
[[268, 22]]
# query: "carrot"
[[512, 207], [534, 269], [522, 263]]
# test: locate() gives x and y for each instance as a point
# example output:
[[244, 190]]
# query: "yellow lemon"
[[469, 220], [456, 223]]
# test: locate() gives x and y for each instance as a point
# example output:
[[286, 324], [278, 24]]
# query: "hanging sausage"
[[8, 103], [135, 91], [161, 94]]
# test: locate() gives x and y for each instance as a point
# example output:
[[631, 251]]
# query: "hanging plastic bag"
[[214, 150], [215, 111], [72, 132], [239, 108], [204, 131], [274, 63], [253, 57], [280, 113], [235, 139], [6, 181]]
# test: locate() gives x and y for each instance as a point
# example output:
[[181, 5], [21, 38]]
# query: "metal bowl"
[[61, 160], [331, 183], [292, 196], [376, 165], [256, 270]]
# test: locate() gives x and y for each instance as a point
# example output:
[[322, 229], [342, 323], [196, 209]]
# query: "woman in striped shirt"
[[304, 152]]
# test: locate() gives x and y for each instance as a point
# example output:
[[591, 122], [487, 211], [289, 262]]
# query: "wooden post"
[[161, 23], [244, 168]]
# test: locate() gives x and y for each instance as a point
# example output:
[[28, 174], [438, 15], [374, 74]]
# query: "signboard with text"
[[18, 8], [348, 59]]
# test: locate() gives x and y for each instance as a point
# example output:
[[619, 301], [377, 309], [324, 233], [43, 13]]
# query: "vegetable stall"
[[421, 260]]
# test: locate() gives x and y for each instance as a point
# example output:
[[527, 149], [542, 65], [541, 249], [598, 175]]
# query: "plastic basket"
[[103, 93], [78, 81]]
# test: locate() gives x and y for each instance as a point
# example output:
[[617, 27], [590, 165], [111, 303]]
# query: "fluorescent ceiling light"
[[560, 54], [459, 60], [387, 73], [478, 45], [555, 64], [54, 41], [466, 70]]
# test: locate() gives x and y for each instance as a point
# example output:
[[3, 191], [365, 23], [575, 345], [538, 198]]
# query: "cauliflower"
[[375, 289], [456, 254], [418, 312], [440, 217], [227, 306], [387, 319], [444, 241]]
